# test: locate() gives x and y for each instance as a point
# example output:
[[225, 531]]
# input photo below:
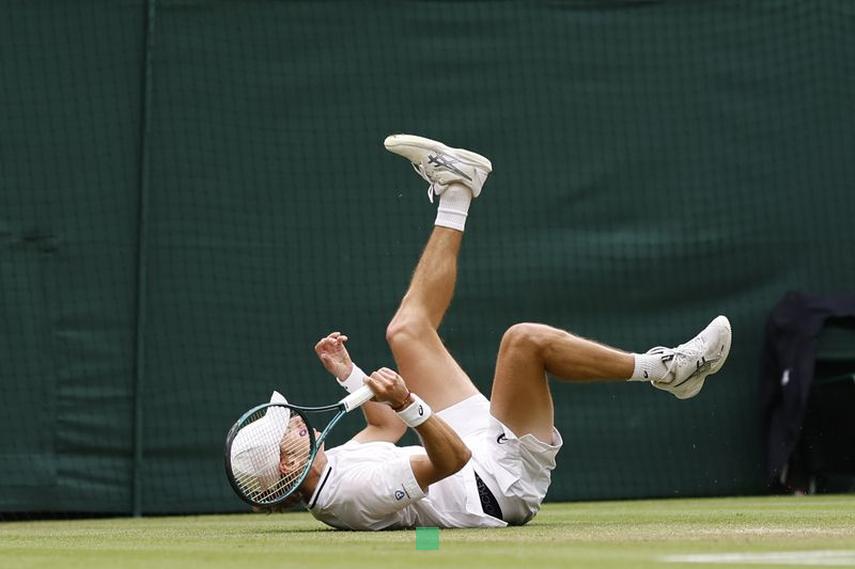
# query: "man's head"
[[294, 447], [255, 452], [294, 451], [271, 453]]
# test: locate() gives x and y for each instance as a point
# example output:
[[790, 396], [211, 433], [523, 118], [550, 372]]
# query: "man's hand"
[[334, 356], [389, 387]]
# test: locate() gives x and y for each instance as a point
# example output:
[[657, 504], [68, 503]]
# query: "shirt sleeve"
[[385, 488]]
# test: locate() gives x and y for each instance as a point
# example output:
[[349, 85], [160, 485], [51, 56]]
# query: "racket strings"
[[294, 452], [278, 463]]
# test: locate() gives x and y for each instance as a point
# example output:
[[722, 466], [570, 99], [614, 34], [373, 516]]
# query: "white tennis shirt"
[[371, 486]]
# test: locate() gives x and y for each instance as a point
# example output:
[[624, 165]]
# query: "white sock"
[[454, 207], [648, 367]]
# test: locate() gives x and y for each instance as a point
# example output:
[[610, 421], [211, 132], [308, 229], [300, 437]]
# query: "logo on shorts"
[[421, 411], [399, 494], [502, 439]]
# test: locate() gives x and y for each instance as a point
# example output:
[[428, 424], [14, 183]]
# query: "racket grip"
[[357, 398]]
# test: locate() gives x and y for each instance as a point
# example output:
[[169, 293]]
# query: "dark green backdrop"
[[192, 192]]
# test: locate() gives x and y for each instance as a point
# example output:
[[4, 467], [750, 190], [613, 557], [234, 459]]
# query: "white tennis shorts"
[[517, 470]]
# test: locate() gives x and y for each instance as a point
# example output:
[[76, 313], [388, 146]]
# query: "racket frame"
[[349, 403]]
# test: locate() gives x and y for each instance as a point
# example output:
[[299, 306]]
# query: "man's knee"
[[525, 338], [405, 328]]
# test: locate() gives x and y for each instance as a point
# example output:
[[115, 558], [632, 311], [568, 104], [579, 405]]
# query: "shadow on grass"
[[267, 531]]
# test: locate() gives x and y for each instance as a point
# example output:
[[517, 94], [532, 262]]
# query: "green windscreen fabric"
[[69, 148], [193, 192]]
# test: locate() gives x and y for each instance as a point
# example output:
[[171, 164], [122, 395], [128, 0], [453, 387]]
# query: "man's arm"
[[383, 423], [381, 426], [446, 452]]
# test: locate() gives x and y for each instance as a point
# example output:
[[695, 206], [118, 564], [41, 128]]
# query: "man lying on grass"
[[482, 463]]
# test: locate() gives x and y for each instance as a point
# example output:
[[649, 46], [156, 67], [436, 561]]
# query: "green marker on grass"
[[427, 539]]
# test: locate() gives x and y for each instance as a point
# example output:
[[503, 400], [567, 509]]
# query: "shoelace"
[[439, 160], [674, 357], [669, 363], [420, 170]]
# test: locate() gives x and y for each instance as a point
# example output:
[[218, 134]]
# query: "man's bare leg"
[[422, 359], [521, 398], [457, 177]]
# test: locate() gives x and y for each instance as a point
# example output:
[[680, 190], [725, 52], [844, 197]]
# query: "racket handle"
[[357, 398]]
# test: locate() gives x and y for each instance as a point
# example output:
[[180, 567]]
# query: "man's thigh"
[[521, 398], [430, 371]]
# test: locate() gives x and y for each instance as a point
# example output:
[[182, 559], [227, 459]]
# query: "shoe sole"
[[399, 141], [726, 351], [699, 382]]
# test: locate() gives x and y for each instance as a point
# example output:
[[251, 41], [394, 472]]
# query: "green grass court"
[[731, 532]]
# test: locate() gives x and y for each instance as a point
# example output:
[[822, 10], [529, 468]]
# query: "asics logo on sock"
[[446, 162]]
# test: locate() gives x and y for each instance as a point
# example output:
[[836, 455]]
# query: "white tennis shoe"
[[439, 164], [689, 364]]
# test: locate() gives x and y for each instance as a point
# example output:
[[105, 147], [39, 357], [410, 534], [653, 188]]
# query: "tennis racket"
[[270, 449]]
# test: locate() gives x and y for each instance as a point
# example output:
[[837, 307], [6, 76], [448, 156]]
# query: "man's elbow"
[[463, 456], [454, 462], [429, 471]]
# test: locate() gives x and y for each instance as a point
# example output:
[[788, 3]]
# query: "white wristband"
[[354, 381], [416, 412]]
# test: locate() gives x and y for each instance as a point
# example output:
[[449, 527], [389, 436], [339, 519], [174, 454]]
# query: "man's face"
[[294, 448]]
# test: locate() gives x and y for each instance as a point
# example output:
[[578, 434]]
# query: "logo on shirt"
[[502, 439], [399, 495], [421, 411]]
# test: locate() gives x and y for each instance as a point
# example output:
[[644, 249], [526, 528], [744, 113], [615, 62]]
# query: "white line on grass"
[[826, 558]]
